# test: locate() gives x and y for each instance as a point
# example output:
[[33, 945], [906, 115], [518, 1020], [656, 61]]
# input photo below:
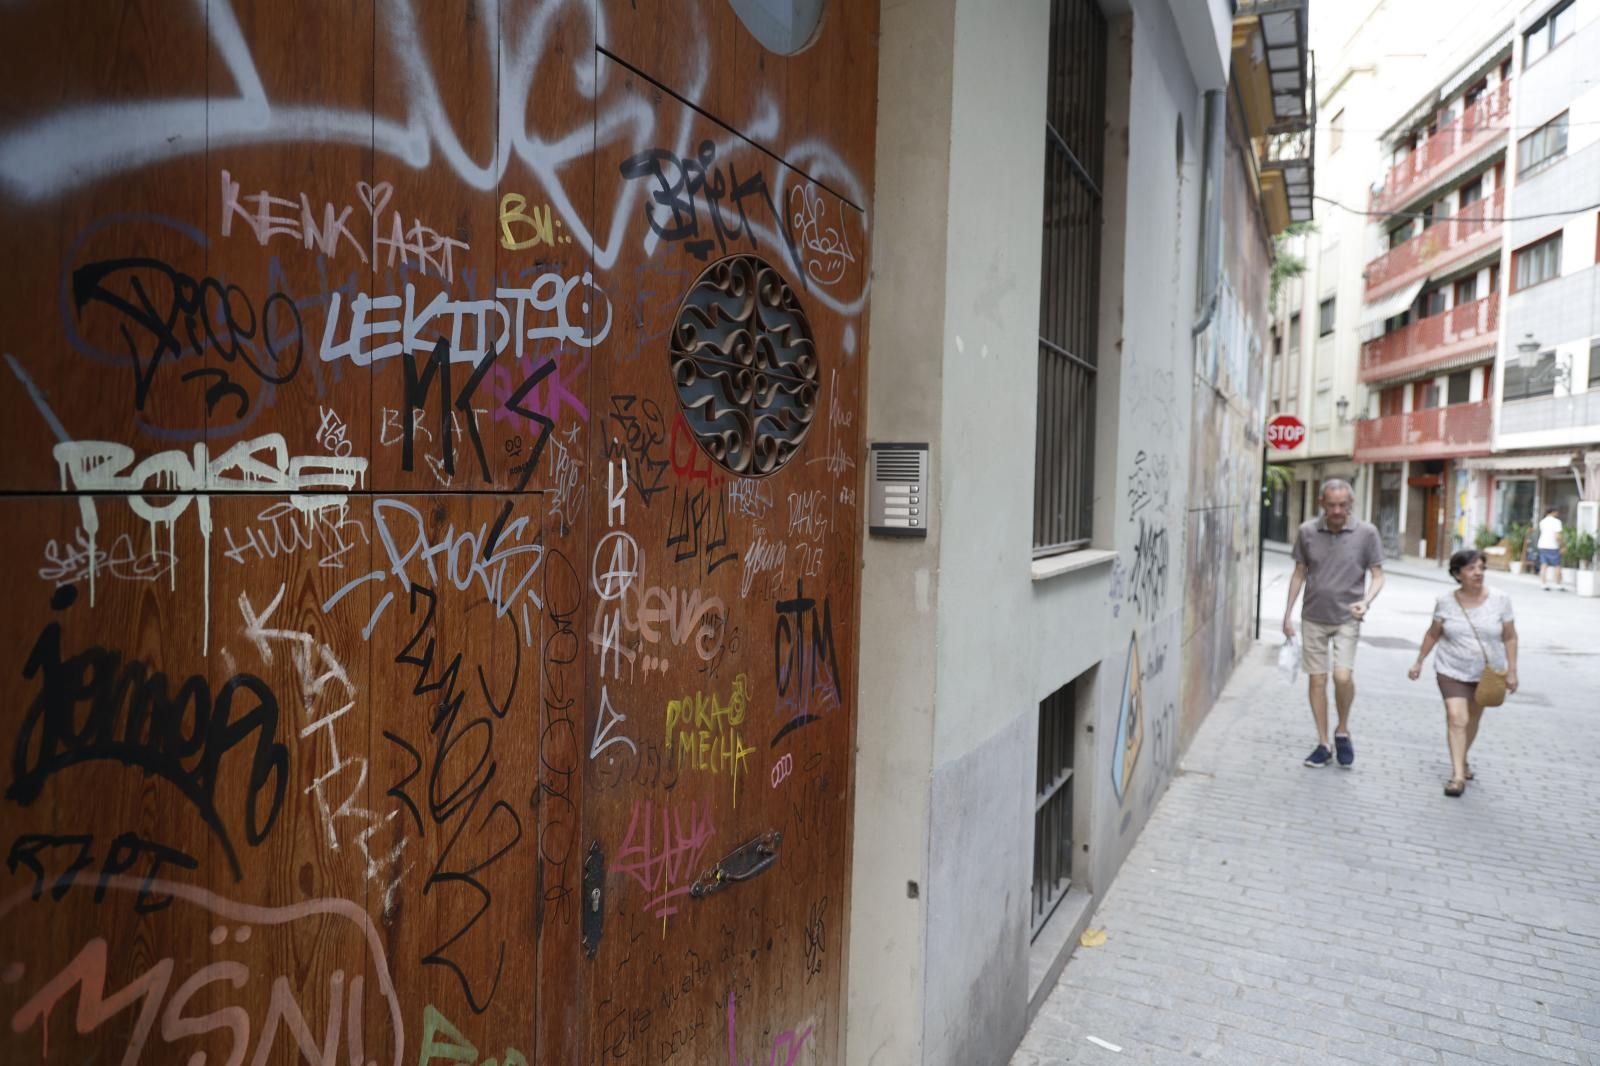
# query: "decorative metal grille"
[[1069, 303], [745, 366], [1052, 810]]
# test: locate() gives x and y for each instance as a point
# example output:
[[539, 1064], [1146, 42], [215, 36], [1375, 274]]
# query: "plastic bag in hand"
[[1289, 660]]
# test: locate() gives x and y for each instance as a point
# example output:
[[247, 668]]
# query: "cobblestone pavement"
[[1271, 913]]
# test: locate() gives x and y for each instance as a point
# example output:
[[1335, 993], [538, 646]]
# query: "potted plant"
[[1583, 552], [1516, 534], [1485, 538]]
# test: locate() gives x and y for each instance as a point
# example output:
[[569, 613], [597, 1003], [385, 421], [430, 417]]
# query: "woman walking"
[[1473, 628]]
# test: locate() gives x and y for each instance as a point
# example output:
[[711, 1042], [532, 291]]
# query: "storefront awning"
[[1510, 463], [1374, 315]]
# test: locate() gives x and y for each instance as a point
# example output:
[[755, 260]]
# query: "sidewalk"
[[1271, 913], [1427, 570]]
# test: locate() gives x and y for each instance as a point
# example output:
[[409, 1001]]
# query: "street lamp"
[[1528, 359], [1342, 407], [1527, 352]]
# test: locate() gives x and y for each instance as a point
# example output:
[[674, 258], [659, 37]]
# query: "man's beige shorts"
[[1315, 638]]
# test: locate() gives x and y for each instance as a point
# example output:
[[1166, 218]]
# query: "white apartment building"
[[1443, 343], [1394, 318], [1431, 294], [1547, 376]]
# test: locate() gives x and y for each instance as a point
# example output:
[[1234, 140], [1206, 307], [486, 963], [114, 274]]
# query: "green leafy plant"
[[1584, 550], [1516, 535], [1485, 538], [1285, 264], [1569, 545]]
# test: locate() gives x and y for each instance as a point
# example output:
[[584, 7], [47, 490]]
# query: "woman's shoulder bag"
[[1491, 690]]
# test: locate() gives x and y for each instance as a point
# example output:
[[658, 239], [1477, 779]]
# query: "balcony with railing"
[[1447, 243], [1480, 125], [1437, 433], [1463, 330]]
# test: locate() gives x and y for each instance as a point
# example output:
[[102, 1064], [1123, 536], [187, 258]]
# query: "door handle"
[[748, 860]]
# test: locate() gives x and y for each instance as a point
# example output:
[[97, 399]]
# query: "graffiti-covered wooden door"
[[373, 554], [725, 536]]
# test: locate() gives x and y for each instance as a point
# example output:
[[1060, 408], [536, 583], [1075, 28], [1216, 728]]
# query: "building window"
[[1538, 262], [1052, 808], [1400, 234], [1431, 303], [1472, 94], [1524, 384], [1472, 192], [1547, 33], [1325, 317], [1391, 401], [1467, 290], [1594, 364], [1336, 131], [1459, 387], [1294, 332], [1544, 145], [1069, 303], [1426, 396]]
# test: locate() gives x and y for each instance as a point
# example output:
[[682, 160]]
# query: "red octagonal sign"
[[1285, 432]]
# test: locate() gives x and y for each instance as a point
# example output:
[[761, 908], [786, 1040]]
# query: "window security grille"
[[1052, 810], [1070, 289]]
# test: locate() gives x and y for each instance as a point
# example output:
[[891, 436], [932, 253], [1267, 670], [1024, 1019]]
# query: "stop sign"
[[1285, 432]]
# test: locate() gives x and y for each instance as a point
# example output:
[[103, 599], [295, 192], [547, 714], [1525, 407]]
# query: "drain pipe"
[[1211, 217]]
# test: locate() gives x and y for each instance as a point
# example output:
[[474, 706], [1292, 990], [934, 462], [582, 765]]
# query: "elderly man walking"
[[1333, 556]]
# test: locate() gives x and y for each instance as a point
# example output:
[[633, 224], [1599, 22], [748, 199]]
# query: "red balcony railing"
[[1443, 244], [1479, 125], [1437, 433], [1457, 332]]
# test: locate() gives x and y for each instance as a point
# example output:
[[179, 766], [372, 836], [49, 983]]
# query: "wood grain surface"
[[372, 563]]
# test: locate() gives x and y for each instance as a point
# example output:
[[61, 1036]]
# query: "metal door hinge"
[[741, 864]]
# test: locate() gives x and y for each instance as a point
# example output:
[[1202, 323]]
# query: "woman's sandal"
[[1455, 786], [1470, 774]]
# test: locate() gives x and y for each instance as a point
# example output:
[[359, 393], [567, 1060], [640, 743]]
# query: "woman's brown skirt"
[[1451, 689]]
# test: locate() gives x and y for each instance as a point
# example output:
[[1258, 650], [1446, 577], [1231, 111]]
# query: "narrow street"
[[1272, 913]]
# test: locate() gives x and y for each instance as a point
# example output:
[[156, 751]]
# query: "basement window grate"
[[1052, 808]]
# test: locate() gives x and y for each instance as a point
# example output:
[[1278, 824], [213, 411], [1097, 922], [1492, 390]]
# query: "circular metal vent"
[[745, 366]]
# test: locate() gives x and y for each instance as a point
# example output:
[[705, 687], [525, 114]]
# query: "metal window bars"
[[1052, 809], [1069, 287]]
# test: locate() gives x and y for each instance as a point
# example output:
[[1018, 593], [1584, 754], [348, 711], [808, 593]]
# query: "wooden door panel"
[[214, 795], [383, 592], [455, 673], [811, 109], [88, 356], [721, 624], [287, 225]]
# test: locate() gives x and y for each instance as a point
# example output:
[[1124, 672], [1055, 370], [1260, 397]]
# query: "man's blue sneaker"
[[1346, 750], [1321, 757]]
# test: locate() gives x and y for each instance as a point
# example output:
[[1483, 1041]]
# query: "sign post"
[[1284, 433]]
